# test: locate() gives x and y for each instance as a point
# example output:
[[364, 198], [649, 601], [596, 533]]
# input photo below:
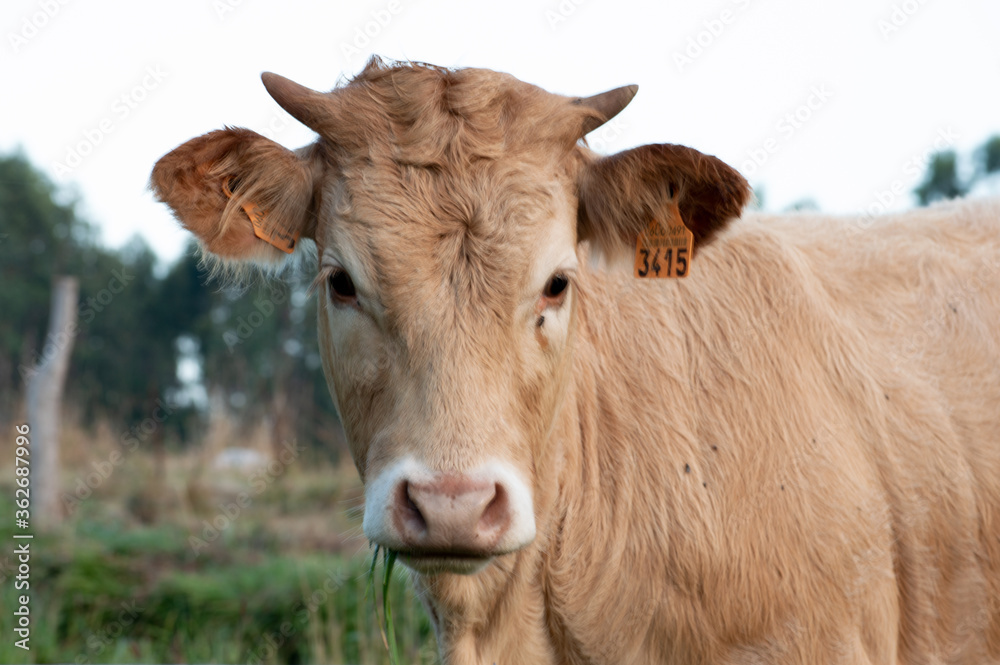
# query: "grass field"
[[169, 559]]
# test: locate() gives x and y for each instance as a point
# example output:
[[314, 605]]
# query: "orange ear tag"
[[277, 237], [664, 249]]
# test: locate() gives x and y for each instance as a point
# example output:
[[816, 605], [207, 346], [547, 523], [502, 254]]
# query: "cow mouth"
[[433, 562]]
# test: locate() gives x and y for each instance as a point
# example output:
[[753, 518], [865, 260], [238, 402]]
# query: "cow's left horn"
[[608, 104], [311, 108]]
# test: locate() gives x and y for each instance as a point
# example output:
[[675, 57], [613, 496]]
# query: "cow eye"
[[342, 287], [555, 289]]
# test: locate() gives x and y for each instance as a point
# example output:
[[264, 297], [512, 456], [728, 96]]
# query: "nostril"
[[497, 512], [410, 511]]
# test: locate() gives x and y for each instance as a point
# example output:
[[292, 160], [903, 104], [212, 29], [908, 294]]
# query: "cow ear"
[[621, 194], [247, 198]]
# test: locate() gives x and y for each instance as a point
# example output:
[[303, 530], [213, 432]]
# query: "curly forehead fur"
[[434, 117], [462, 237], [424, 165]]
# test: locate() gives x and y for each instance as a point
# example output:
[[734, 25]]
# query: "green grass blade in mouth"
[[371, 592], [385, 624], [371, 575], [389, 561]]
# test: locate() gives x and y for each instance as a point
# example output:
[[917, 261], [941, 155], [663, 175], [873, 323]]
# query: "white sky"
[[883, 99]]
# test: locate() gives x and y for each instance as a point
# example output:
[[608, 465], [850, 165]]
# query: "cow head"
[[450, 211]]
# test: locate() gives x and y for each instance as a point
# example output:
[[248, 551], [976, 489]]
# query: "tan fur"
[[790, 456]]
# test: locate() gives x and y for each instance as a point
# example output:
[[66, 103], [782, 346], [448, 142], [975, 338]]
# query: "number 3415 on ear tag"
[[664, 249]]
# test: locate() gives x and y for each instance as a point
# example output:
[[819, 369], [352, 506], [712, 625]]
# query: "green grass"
[[386, 624], [105, 590]]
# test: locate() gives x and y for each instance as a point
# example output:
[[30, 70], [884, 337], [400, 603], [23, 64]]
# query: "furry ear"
[[244, 196], [621, 194]]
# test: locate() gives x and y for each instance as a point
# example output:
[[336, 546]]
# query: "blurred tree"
[[941, 180], [987, 157], [123, 354], [127, 358], [257, 347], [39, 237], [807, 204]]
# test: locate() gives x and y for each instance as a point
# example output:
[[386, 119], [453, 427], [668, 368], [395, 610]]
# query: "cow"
[[778, 442]]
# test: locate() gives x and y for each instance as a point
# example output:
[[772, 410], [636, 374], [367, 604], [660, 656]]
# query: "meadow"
[[174, 558]]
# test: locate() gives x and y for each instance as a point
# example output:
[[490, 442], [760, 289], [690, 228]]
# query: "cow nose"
[[451, 514]]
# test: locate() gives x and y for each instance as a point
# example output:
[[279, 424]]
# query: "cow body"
[[792, 455], [792, 450]]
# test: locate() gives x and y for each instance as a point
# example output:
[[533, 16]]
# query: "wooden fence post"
[[45, 388]]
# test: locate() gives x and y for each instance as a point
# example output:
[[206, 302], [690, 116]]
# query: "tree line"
[[143, 336]]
